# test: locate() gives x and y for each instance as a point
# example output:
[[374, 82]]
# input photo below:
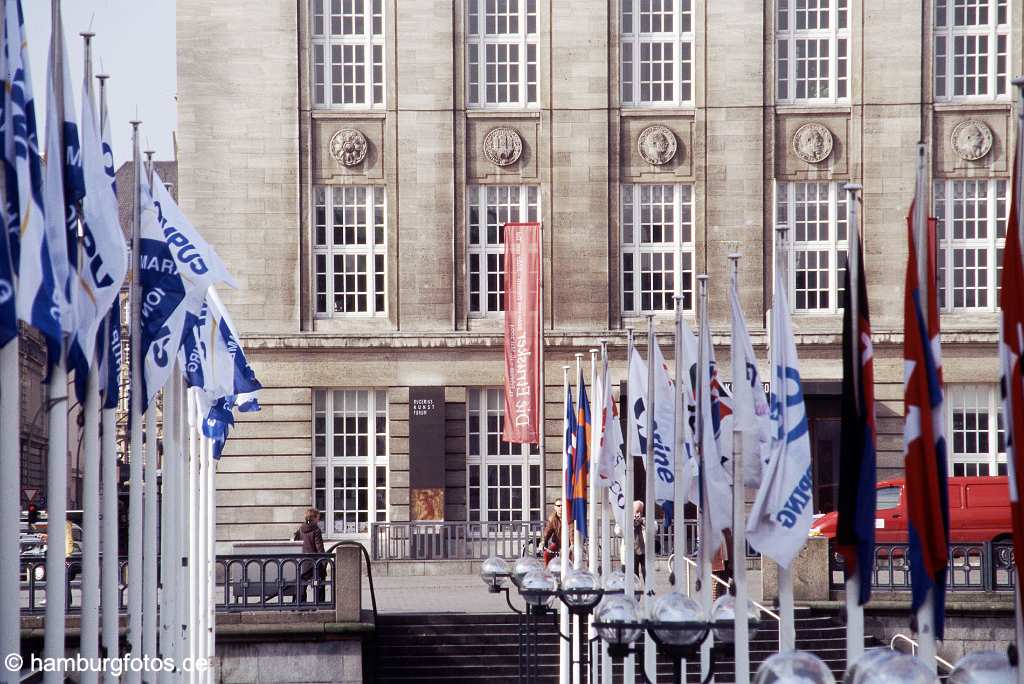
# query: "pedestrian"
[[551, 542], [312, 542], [639, 527]]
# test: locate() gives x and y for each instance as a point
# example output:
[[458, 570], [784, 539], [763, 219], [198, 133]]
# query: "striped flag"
[[855, 535], [570, 448], [580, 471], [1011, 353], [924, 432]]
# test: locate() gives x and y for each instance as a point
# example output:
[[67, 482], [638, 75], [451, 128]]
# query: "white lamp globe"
[[983, 667], [581, 589], [794, 667], [614, 610], [902, 668], [616, 583], [858, 670], [680, 620], [525, 565], [536, 585], [723, 616], [494, 571]]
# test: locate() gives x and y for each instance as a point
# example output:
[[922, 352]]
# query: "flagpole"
[[10, 502], [211, 559], [629, 665], [678, 451], [787, 625], [854, 611], [739, 527], [109, 572], [577, 558], [169, 532], [182, 567], [594, 455], [927, 649], [57, 447], [1018, 197], [195, 518], [650, 654], [136, 358], [705, 512], [564, 666], [606, 555], [202, 532]]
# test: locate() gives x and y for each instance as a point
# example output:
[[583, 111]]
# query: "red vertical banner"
[[522, 333]]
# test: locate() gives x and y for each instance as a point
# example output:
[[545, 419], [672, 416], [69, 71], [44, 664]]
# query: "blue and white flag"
[[64, 186], [108, 338], [750, 408], [177, 267], [664, 421], [101, 262], [781, 515], [38, 301]]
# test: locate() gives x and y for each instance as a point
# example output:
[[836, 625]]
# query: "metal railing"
[[298, 581], [33, 584], [913, 650], [980, 566]]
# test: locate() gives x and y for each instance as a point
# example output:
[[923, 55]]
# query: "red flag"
[[1011, 349], [523, 392]]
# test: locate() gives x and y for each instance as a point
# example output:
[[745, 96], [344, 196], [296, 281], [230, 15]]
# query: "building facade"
[[354, 161]]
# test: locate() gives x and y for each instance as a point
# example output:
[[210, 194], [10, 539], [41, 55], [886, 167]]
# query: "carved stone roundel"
[[971, 139], [657, 145], [348, 147], [812, 142], [503, 146]]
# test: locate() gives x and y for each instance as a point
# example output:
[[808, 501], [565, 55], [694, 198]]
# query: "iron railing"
[[33, 583], [980, 566]]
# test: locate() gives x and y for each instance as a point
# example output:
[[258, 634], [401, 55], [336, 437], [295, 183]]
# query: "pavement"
[[451, 594]]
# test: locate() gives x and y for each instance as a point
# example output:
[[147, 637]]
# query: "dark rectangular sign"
[[426, 453]]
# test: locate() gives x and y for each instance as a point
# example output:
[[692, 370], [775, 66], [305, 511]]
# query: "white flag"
[[716, 446], [664, 420], [781, 516], [750, 407], [102, 260], [612, 461]]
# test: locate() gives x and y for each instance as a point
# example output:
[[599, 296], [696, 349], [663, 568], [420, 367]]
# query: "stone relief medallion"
[[812, 142], [971, 139], [503, 146], [348, 147], [657, 145]]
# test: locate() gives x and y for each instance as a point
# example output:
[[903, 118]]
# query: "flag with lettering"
[[101, 262], [663, 423], [780, 518], [581, 460], [612, 468], [750, 406], [108, 339], [1011, 343], [8, 240], [714, 468], [523, 334], [924, 439], [38, 299], [855, 530]]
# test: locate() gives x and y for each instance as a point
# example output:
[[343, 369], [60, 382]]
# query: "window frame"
[[486, 402], [946, 35], [785, 66], [373, 460], [997, 213], [631, 41], [955, 397], [683, 201], [375, 253], [478, 201], [477, 41], [837, 249], [372, 42]]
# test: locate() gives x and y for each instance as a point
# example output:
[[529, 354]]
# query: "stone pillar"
[[348, 584], [810, 573]]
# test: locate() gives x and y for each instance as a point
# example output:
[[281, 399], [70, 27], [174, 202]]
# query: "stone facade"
[[252, 146]]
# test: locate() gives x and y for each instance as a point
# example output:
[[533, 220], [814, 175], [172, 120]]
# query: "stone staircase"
[[484, 648]]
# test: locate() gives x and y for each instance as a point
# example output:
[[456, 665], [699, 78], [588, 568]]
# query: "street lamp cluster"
[[676, 623]]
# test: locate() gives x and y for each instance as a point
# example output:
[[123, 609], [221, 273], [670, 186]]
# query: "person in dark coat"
[[312, 542]]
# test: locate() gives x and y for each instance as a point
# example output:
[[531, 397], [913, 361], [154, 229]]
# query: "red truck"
[[979, 511]]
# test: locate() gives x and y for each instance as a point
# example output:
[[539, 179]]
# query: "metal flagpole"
[[89, 645], [1018, 196], [577, 558], [10, 504], [705, 515], [594, 451], [57, 448], [650, 655], [678, 453], [151, 495], [202, 531], [606, 552], [925, 622], [195, 518], [168, 522], [564, 666], [739, 531], [136, 360], [787, 626], [854, 611], [183, 567], [627, 560], [109, 574], [211, 555]]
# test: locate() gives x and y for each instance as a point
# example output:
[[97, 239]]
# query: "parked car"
[[979, 511]]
